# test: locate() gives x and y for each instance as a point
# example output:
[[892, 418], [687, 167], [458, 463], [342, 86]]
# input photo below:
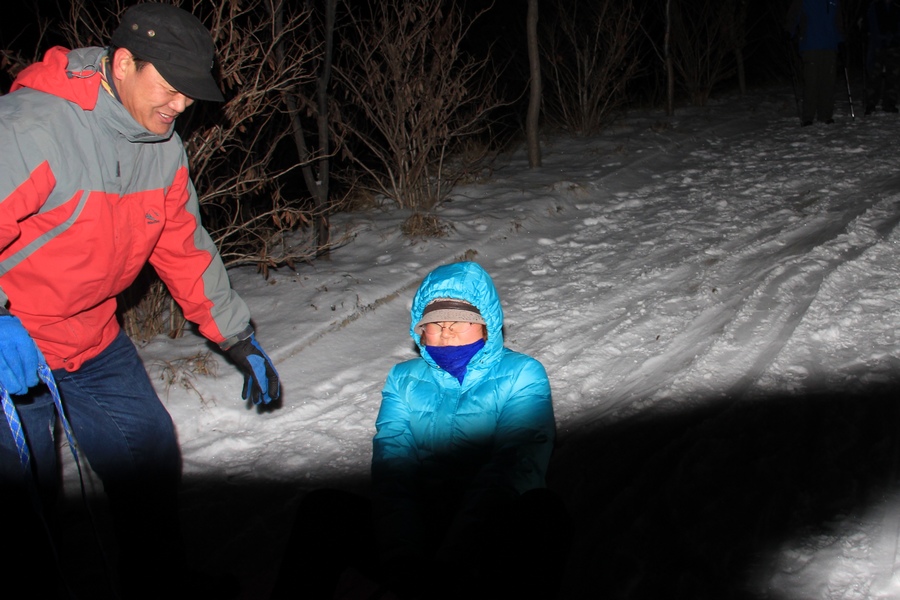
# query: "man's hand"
[[261, 384], [19, 357]]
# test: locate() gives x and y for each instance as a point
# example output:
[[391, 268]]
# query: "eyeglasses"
[[456, 327]]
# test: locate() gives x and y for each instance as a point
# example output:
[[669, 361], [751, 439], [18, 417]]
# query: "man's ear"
[[122, 63]]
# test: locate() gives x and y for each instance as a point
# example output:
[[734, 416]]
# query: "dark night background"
[[711, 487]]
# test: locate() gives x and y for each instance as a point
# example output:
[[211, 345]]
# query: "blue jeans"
[[128, 437]]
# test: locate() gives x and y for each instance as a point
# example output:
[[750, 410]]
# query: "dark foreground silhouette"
[[675, 504]]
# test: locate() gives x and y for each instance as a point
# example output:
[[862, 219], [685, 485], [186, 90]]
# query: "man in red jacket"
[[94, 184]]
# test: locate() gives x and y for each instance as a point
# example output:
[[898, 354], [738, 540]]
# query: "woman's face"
[[449, 333]]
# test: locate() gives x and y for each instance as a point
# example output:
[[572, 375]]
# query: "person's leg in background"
[[891, 79], [810, 70], [874, 80], [819, 78], [826, 76]]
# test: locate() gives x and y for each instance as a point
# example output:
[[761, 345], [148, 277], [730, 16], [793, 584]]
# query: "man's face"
[[149, 98]]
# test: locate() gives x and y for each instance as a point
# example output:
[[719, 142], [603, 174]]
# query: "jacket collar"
[[75, 75]]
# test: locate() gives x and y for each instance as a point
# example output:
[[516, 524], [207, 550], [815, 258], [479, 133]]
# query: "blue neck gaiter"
[[455, 359]]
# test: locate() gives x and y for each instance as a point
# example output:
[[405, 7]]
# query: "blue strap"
[[15, 424], [46, 376]]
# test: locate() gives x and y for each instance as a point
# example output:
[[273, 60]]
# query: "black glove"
[[261, 384]]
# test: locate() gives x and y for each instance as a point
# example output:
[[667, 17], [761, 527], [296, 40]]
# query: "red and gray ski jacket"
[[87, 198]]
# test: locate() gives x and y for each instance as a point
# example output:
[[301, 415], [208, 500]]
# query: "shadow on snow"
[[675, 504]]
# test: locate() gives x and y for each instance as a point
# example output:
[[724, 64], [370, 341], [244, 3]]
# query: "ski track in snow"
[[751, 282]]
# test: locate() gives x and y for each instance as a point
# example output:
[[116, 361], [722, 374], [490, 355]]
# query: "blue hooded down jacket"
[[471, 446], [817, 24]]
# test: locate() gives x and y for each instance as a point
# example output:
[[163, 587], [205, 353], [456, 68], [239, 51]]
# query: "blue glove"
[[19, 357], [261, 383]]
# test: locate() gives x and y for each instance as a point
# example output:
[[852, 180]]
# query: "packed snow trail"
[[701, 289], [694, 286]]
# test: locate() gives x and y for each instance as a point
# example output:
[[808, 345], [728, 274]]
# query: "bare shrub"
[[411, 96], [146, 309], [244, 161], [424, 225], [238, 162], [705, 36], [316, 166], [590, 56], [182, 372]]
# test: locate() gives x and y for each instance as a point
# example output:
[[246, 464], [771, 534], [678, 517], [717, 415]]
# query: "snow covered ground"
[[716, 298]]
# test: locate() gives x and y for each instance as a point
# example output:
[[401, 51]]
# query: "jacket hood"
[[462, 281], [73, 75]]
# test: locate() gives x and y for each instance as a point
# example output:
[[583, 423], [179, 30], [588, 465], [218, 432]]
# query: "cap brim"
[[197, 86], [446, 316]]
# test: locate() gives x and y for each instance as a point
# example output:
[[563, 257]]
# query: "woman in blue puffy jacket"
[[464, 437], [464, 434]]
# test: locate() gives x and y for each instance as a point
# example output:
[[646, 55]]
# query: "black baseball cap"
[[176, 43]]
